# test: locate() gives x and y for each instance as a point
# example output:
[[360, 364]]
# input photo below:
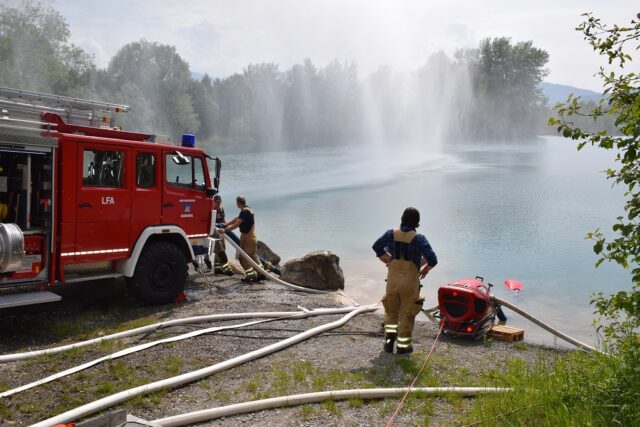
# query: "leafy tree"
[[164, 80], [232, 120], [620, 312], [301, 98], [506, 79], [204, 106], [264, 82]]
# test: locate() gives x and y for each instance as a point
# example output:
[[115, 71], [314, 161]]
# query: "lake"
[[499, 211]]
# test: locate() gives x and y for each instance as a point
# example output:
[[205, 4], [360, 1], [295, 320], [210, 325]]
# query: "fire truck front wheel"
[[160, 274]]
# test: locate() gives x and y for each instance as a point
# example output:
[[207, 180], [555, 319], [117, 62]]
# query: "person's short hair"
[[217, 198], [410, 218], [242, 200]]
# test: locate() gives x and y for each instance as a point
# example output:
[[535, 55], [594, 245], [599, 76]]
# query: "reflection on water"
[[496, 211]]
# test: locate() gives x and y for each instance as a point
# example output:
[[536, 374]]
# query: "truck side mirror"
[[216, 180], [211, 192]]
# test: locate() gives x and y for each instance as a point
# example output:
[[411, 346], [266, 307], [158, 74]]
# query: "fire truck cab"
[[82, 200]]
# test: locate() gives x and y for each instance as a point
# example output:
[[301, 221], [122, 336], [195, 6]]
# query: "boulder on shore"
[[316, 270], [265, 252]]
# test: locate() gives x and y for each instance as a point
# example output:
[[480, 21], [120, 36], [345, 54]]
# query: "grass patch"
[[4, 411], [355, 402], [299, 377], [308, 411], [64, 328], [148, 401], [172, 366], [106, 388], [330, 406], [520, 345], [136, 323], [220, 395], [575, 389], [110, 346], [380, 375]]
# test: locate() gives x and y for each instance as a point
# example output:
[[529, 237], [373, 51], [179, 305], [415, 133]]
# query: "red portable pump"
[[466, 308]]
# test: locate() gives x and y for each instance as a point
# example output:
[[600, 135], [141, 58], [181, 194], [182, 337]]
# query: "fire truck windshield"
[[187, 175]]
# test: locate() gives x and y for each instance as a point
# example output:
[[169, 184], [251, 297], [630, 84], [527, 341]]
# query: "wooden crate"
[[506, 333]]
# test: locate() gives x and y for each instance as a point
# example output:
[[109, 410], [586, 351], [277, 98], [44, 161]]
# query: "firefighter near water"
[[245, 222], [408, 257]]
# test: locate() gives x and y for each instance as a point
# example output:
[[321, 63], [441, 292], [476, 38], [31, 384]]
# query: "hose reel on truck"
[[11, 248]]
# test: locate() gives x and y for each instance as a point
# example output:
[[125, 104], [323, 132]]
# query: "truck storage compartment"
[[25, 188], [26, 206]]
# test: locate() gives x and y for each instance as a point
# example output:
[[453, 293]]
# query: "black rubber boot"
[[405, 350], [389, 341], [226, 270]]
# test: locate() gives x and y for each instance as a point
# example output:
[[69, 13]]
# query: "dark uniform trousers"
[[221, 260], [400, 300]]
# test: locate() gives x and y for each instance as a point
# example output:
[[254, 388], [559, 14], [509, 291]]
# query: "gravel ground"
[[349, 357]]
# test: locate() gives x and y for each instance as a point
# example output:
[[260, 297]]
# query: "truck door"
[[104, 203], [147, 198], [184, 201]]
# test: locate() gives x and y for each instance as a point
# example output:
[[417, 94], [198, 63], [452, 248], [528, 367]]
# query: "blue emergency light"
[[188, 140]]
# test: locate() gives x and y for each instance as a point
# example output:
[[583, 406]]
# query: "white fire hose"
[[175, 322], [138, 348], [269, 275], [545, 326], [300, 399], [178, 380]]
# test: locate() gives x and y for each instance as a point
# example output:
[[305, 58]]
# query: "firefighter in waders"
[[221, 261], [409, 257], [248, 241]]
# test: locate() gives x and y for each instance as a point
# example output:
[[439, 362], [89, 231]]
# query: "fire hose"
[[175, 322], [178, 380], [301, 399], [267, 274], [138, 348], [543, 325]]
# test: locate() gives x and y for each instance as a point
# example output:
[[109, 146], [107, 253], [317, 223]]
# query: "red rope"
[[433, 346]]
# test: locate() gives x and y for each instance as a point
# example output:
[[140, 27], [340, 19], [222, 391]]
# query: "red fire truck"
[[81, 199]]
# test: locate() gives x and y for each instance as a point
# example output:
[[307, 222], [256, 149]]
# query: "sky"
[[222, 37]]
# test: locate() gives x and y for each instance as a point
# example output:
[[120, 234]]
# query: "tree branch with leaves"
[[620, 313]]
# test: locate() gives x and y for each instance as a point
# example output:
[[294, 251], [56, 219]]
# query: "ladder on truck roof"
[[21, 110]]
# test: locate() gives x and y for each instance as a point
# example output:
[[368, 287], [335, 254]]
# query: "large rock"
[[265, 252], [317, 270]]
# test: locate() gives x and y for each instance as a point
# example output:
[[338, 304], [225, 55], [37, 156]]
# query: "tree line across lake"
[[486, 93]]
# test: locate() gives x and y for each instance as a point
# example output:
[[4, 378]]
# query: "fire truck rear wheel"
[[160, 274]]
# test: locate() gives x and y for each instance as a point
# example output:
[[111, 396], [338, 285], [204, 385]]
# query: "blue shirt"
[[420, 247]]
